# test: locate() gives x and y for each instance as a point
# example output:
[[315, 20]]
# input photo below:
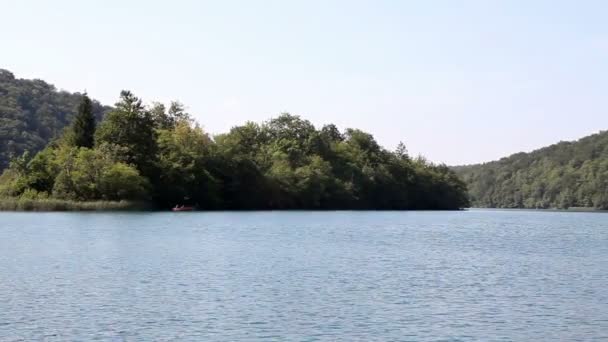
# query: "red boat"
[[182, 208]]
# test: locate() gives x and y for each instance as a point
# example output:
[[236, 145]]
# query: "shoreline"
[[569, 210], [57, 205]]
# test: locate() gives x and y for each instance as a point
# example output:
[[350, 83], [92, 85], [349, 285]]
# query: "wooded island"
[[158, 155]]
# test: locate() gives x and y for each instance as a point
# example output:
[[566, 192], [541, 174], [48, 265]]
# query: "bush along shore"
[[53, 204], [159, 155]]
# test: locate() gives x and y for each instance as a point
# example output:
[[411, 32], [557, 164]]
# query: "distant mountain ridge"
[[563, 175], [33, 112]]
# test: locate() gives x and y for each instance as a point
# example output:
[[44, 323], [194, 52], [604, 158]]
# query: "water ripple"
[[305, 276]]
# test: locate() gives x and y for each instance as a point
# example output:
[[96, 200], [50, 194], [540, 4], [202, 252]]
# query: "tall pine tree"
[[83, 127]]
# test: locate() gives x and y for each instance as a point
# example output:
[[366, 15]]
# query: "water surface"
[[304, 276]]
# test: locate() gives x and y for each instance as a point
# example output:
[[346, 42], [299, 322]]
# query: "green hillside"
[[564, 175], [33, 112]]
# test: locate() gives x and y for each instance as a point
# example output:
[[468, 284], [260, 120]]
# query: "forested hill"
[[564, 175], [32, 112]]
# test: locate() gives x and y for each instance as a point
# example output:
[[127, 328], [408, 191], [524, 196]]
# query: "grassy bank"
[[21, 204]]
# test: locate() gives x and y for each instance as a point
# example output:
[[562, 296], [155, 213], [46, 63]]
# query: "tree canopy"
[[160, 155]]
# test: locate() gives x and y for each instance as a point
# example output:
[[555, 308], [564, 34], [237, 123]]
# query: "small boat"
[[182, 208]]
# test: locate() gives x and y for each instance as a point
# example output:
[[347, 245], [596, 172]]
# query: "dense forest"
[[564, 175], [33, 112], [158, 154]]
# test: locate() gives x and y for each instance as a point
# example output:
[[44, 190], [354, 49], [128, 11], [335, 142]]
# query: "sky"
[[457, 81]]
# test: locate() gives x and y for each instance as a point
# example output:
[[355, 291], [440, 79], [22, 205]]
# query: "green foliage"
[[286, 163], [88, 175], [53, 204], [120, 181], [167, 119], [131, 127], [564, 175], [184, 152], [162, 156], [33, 113], [83, 126]]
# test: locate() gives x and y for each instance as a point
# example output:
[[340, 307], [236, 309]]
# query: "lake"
[[304, 276]]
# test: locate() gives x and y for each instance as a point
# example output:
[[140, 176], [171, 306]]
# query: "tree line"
[[159, 154], [564, 175]]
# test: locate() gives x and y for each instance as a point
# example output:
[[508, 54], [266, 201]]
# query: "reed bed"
[[50, 204]]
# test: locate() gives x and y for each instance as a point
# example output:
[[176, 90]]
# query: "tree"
[[184, 153], [87, 175], [293, 136], [83, 126], [401, 151], [177, 113], [158, 111], [331, 133], [132, 127], [120, 181], [167, 119]]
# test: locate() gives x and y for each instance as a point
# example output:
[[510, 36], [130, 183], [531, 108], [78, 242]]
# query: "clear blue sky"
[[457, 81]]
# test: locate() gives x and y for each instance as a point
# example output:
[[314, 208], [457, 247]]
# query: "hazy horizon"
[[458, 83]]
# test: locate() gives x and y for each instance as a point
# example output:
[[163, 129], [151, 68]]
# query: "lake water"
[[304, 276]]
